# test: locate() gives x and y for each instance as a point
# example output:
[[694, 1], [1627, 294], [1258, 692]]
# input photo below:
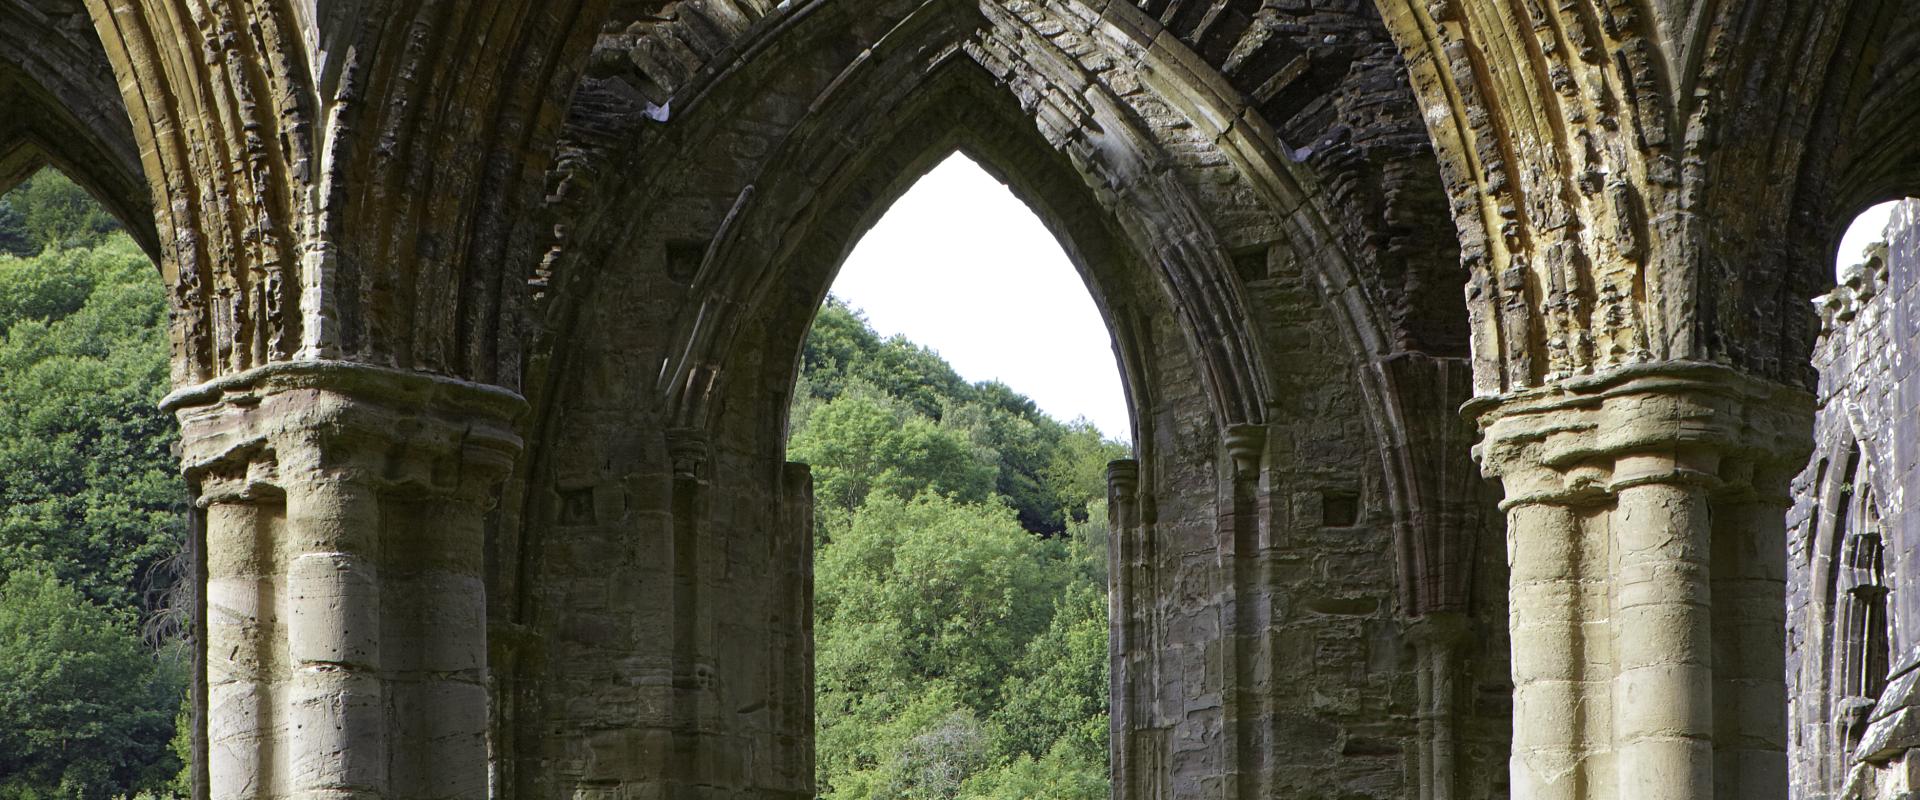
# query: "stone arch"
[[63, 109], [701, 247], [955, 122], [955, 112], [1882, 162], [1413, 377], [1841, 656]]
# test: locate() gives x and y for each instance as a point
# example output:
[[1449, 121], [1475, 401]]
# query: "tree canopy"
[[91, 506], [960, 578]]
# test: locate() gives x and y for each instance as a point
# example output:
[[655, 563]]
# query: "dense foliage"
[[960, 579], [91, 506], [1046, 470], [89, 707], [50, 211], [960, 574]]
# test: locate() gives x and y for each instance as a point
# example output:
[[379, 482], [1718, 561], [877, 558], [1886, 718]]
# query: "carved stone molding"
[[248, 433], [1582, 441]]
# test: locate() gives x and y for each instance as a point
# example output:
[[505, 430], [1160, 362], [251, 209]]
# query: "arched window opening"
[[1861, 643], [94, 669], [1867, 230], [959, 402]]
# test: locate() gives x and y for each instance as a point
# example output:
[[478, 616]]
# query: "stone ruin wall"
[[1854, 649], [639, 550]]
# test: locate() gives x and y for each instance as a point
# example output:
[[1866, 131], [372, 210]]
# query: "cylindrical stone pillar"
[[1548, 613], [346, 607], [435, 597], [1662, 631], [240, 591], [336, 693], [1749, 640], [1647, 585]]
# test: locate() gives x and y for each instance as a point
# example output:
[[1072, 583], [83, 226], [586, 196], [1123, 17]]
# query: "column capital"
[[689, 448], [1123, 478], [1246, 444], [246, 434], [1582, 439]]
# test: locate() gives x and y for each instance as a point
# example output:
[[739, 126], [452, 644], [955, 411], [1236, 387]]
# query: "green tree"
[[13, 229], [842, 351], [89, 709], [48, 286], [49, 210], [1076, 468], [1062, 774], [924, 747], [1046, 470], [861, 443], [947, 591], [1057, 694], [90, 506], [923, 608], [88, 485], [960, 628]]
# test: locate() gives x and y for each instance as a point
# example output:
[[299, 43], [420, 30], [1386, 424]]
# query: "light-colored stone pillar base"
[[1646, 536], [345, 606]]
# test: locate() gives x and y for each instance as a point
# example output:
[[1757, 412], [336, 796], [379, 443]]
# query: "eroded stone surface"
[[1853, 655], [627, 210]]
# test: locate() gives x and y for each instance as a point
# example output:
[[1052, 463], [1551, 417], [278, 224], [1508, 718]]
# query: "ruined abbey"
[[1501, 428]]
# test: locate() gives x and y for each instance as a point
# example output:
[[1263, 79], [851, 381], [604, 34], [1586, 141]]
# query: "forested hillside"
[[91, 507], [960, 578], [961, 629]]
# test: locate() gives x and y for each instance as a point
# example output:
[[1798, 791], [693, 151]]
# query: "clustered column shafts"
[[346, 622], [1647, 585]]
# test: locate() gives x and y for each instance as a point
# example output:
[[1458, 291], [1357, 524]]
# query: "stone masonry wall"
[[1264, 649], [1854, 644]]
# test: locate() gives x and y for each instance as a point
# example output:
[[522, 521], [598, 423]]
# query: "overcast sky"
[[960, 265], [1866, 230]]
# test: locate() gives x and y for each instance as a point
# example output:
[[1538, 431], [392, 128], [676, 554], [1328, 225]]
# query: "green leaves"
[[1046, 470], [88, 485], [91, 506], [861, 443], [50, 211], [960, 579], [952, 644], [89, 709]]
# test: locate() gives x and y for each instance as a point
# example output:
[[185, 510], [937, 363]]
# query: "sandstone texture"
[[486, 317]]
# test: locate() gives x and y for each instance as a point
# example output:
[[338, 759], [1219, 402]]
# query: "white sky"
[[1864, 231], [960, 265]]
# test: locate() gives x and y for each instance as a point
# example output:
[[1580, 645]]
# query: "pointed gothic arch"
[[703, 231]]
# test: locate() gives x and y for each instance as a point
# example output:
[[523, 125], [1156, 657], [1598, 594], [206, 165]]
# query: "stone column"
[[1243, 540], [1128, 566], [1646, 535], [346, 622], [1438, 640]]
